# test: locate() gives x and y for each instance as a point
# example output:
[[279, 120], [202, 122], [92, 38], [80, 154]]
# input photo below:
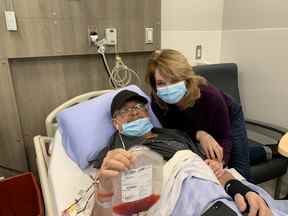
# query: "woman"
[[185, 101]]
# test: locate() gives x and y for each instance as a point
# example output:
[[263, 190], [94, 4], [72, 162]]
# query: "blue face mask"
[[172, 94], [138, 127]]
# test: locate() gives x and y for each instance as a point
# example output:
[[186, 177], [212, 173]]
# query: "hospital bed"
[[61, 179]]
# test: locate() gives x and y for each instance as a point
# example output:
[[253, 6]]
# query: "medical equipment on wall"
[[120, 75], [137, 189]]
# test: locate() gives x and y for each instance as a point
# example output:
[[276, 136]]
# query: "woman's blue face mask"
[[138, 127], [172, 94]]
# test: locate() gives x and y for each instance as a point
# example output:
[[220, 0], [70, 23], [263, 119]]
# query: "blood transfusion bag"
[[139, 188]]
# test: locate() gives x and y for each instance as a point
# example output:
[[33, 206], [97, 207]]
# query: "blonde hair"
[[173, 65]]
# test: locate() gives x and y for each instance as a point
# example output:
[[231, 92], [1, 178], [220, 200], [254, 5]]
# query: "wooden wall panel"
[[30, 9], [51, 61], [12, 151], [152, 19], [3, 32], [33, 38], [42, 84], [56, 28], [7, 173]]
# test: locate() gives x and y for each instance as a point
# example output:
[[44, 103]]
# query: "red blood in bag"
[[130, 208]]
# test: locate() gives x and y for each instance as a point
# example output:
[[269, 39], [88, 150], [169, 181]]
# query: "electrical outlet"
[[92, 30], [148, 35], [10, 18], [198, 52], [111, 36]]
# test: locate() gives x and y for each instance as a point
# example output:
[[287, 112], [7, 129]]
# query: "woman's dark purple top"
[[210, 113]]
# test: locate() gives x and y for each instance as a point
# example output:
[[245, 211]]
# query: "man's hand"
[[257, 206], [115, 161], [210, 146], [216, 166]]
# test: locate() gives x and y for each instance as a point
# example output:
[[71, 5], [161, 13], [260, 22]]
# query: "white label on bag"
[[136, 183]]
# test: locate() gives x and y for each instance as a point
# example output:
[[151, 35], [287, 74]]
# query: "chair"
[[225, 77], [20, 195]]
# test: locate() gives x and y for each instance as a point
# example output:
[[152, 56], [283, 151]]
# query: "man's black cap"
[[124, 96]]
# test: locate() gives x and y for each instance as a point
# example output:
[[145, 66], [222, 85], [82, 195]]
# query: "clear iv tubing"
[[121, 74], [108, 70]]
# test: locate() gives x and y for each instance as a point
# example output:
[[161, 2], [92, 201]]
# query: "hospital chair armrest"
[[264, 133], [268, 126], [283, 146]]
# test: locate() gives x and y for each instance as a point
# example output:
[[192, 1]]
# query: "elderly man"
[[131, 119]]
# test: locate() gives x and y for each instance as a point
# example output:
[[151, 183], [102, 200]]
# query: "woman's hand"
[[216, 166], [210, 146], [115, 162]]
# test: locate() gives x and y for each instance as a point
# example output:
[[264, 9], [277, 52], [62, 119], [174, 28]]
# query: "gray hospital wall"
[[255, 35]]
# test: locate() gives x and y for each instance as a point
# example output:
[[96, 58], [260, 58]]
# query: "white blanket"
[[182, 165]]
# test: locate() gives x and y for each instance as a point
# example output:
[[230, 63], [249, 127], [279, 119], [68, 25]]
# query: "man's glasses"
[[123, 111]]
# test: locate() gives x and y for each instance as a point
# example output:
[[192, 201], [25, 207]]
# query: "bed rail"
[[39, 143]]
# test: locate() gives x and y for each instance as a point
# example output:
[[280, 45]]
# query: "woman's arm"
[[221, 127], [210, 146]]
